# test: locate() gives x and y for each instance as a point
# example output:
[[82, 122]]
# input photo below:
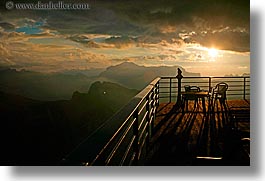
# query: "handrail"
[[103, 146], [121, 140], [204, 77], [238, 85]]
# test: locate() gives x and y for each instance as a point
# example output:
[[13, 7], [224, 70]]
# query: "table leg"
[[203, 105]]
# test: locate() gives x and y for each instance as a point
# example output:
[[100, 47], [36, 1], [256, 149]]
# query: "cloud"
[[7, 26], [192, 16], [243, 67], [145, 32], [226, 39], [154, 21], [38, 53]]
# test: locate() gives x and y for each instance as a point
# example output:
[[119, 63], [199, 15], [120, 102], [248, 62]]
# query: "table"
[[197, 95]]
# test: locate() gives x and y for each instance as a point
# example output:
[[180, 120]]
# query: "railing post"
[[157, 92], [170, 81], [147, 107], [210, 84], [244, 95], [136, 134], [153, 100], [179, 77]]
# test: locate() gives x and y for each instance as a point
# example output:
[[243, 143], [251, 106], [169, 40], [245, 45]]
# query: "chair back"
[[191, 89], [221, 88], [220, 91], [187, 88], [195, 89]]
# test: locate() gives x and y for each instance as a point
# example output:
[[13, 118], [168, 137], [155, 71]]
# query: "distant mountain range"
[[42, 132], [60, 86], [42, 86], [137, 77], [45, 116]]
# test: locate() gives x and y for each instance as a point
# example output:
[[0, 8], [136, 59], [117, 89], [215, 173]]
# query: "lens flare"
[[213, 52]]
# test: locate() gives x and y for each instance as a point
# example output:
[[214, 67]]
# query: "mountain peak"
[[125, 65]]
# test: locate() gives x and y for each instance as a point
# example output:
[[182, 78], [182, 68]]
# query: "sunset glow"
[[213, 52], [125, 83], [42, 42]]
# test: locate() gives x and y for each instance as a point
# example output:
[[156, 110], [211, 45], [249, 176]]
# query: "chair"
[[219, 92], [190, 97]]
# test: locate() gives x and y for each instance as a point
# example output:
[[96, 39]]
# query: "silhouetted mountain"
[[88, 73], [42, 133], [60, 86], [42, 86], [134, 76], [236, 75]]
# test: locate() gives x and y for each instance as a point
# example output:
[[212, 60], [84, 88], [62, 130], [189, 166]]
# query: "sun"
[[212, 52]]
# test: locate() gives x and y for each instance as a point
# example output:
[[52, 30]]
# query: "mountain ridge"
[[61, 85], [132, 75], [46, 131]]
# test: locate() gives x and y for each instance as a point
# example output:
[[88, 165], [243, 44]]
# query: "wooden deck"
[[217, 137]]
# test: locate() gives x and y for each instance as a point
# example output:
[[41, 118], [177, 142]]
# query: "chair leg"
[[195, 103], [203, 106]]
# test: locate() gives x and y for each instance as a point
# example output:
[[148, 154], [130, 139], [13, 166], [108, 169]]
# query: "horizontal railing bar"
[[233, 81], [155, 109], [167, 97], [112, 138], [164, 87], [127, 150], [236, 86], [236, 77], [205, 77], [168, 77], [150, 94], [100, 142], [164, 97], [150, 102], [142, 120], [132, 158], [153, 98], [164, 82], [150, 112], [194, 82], [232, 90], [110, 143], [208, 82], [169, 83], [119, 143], [143, 107], [154, 103], [151, 118], [167, 92], [142, 94], [141, 146], [173, 87], [237, 94], [144, 129], [207, 86]]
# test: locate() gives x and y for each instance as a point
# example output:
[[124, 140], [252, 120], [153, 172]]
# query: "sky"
[[211, 37]]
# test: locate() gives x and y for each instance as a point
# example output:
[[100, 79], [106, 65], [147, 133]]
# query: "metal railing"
[[238, 87], [124, 139]]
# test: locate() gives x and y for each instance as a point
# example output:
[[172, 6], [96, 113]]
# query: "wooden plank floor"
[[182, 137]]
